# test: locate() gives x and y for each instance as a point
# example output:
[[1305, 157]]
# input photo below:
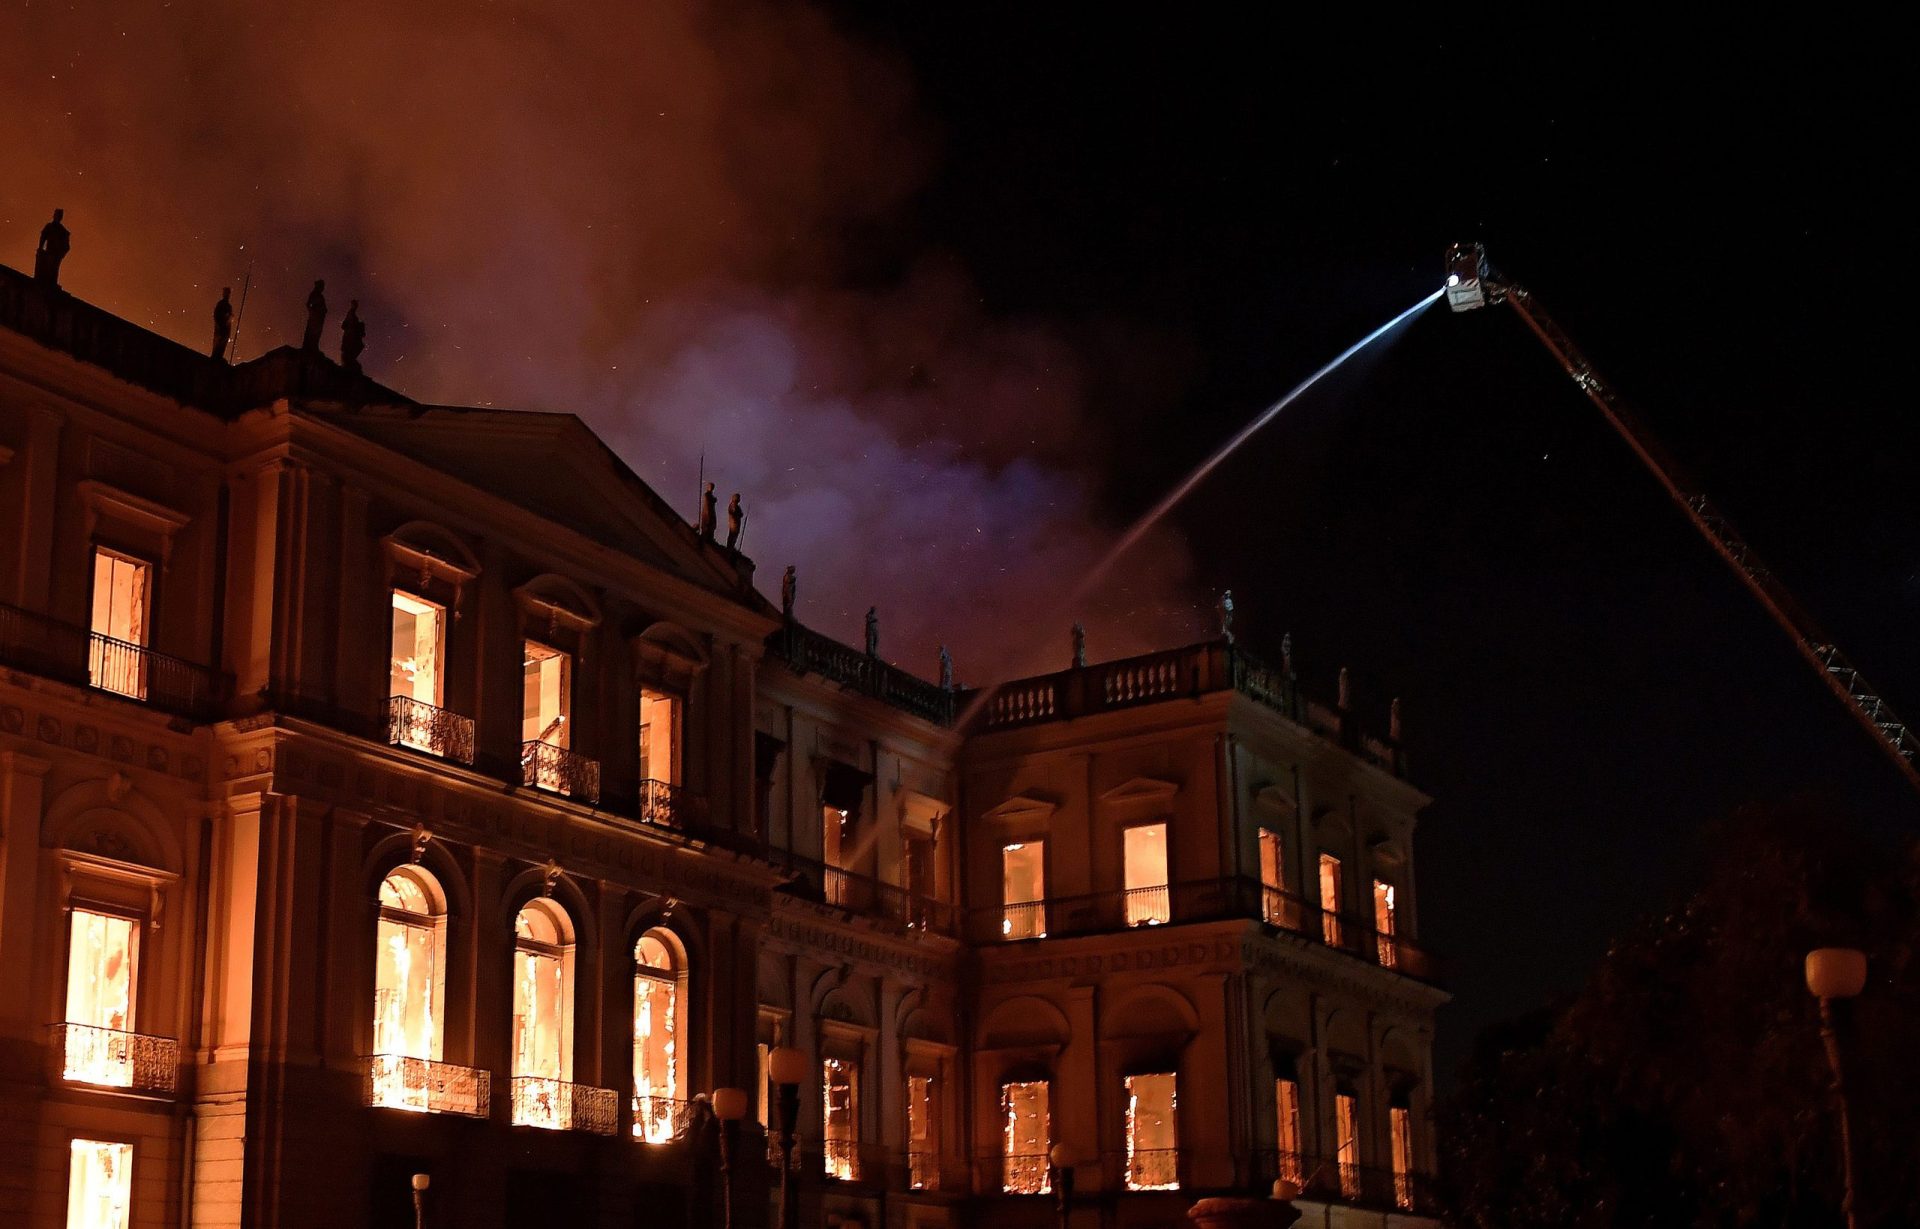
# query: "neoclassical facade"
[[393, 789]]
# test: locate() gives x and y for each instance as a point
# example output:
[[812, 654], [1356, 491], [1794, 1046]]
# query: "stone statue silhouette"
[[735, 517], [789, 585], [353, 337], [1079, 645], [1226, 616], [707, 501], [946, 669], [316, 318], [54, 244], [873, 631], [223, 323]]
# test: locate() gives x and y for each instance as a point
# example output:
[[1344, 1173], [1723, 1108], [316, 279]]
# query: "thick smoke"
[[645, 215]]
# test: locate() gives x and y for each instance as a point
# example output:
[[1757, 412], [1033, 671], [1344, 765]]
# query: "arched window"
[[659, 1022], [542, 1016], [410, 984]]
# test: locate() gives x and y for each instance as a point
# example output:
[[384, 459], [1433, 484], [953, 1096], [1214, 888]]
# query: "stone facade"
[[230, 781]]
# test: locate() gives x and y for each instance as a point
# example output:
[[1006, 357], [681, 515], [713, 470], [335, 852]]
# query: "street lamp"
[[420, 1184], [787, 1066], [1838, 973], [1061, 1158], [729, 1106]]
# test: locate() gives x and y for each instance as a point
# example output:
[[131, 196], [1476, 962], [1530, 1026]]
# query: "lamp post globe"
[[1838, 973]]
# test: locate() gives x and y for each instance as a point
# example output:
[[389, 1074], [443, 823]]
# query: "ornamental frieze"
[[806, 937], [1138, 959], [89, 740]]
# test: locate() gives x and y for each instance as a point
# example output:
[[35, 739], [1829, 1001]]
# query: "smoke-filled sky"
[[680, 220]]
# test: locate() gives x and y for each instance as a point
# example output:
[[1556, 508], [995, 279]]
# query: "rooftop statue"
[[316, 318], [353, 337], [52, 249], [223, 323], [735, 518]]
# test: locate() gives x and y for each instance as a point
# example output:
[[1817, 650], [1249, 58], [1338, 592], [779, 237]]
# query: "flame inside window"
[[542, 1017], [1028, 1134], [656, 1051], [840, 1103], [99, 1185], [409, 983], [101, 954], [1153, 1142]]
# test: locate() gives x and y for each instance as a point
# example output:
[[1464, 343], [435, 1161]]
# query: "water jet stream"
[[1172, 498]]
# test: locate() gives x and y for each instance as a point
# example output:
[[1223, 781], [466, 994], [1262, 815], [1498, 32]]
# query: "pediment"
[[1277, 798], [1023, 808], [1139, 789]]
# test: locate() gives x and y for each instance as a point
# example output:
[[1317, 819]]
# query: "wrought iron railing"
[[665, 805], [40, 645], [395, 1081], [109, 1058], [169, 683], [657, 1120], [556, 1105], [809, 652], [1026, 1173], [1148, 906], [436, 731], [1153, 1169], [1329, 1180], [1025, 919], [863, 894], [560, 770], [923, 1171]]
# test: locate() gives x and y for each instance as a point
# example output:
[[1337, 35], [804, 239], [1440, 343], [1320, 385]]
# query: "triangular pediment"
[[1276, 797], [1023, 808], [1141, 789]]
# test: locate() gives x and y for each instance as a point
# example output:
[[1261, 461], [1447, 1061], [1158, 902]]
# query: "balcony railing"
[[808, 652], [1025, 919], [923, 1171], [169, 683], [39, 645], [1148, 906], [556, 1105], [1026, 1173], [549, 767], [658, 1120], [1153, 1169], [107, 1058], [665, 805], [841, 1159], [436, 731], [424, 1086], [863, 894]]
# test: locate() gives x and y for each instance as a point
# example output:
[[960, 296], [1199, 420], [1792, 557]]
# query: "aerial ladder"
[[1471, 285]]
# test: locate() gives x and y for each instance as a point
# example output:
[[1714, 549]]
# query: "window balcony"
[[1326, 1180], [105, 1058], [556, 1105], [43, 646], [1026, 1173], [1153, 1169], [659, 1120], [424, 1086], [863, 894], [1148, 906], [560, 771], [436, 731], [923, 1171], [665, 805], [171, 684], [841, 1158], [1025, 919]]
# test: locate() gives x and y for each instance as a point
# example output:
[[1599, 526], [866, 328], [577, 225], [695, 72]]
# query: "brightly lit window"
[[659, 737], [542, 1016], [840, 1116], [99, 1184], [102, 954], [923, 1134], [1383, 923], [1153, 1142], [833, 842], [120, 586], [657, 1029], [409, 997], [1400, 1125], [1346, 1134], [1330, 899], [546, 696], [1286, 1102], [419, 636], [763, 1054], [1145, 850], [1023, 890], [1273, 878], [1026, 1137]]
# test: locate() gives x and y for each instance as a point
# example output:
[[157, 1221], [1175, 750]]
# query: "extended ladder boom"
[[1469, 285]]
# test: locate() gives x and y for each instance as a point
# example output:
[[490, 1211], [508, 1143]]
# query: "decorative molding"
[[101, 500], [1023, 809], [1142, 789]]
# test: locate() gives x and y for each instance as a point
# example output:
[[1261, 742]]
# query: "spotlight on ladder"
[[1466, 273]]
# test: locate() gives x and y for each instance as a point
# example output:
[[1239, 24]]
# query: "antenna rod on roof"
[[233, 347]]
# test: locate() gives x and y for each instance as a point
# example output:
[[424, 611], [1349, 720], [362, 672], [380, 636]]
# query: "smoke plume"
[[646, 214]]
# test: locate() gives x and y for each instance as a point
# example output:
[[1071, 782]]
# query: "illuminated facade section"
[[1383, 923], [1145, 856], [120, 610], [1346, 1136], [1286, 1102], [102, 956], [833, 837], [546, 706], [1400, 1132], [1153, 1142], [1273, 879], [409, 988], [1330, 928], [99, 1185], [416, 676], [1027, 1135], [659, 737], [840, 1117], [923, 1135], [542, 1017], [657, 1027], [1023, 889]]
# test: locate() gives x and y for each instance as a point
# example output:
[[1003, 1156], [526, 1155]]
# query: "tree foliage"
[[1686, 1083]]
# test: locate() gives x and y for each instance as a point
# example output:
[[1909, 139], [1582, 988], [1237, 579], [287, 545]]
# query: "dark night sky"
[[1712, 212]]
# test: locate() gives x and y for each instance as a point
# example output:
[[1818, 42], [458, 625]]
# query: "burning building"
[[391, 789]]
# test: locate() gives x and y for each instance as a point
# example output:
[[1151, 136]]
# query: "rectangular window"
[[764, 1058], [1400, 1123], [1330, 899], [1286, 1101], [102, 952], [1383, 924], [419, 631], [119, 628], [840, 1112], [833, 839], [99, 1185], [1145, 850], [1027, 1137], [547, 696], [923, 1135], [1346, 1134], [659, 737], [1023, 890], [1273, 879], [1153, 1142]]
